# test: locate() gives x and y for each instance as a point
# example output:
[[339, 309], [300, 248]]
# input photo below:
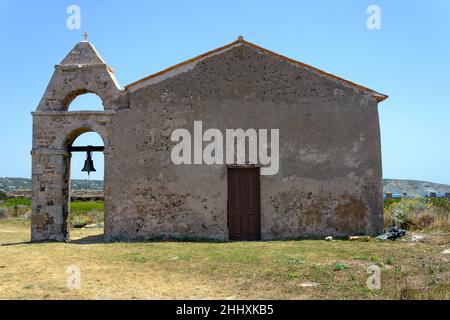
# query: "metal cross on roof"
[[86, 36]]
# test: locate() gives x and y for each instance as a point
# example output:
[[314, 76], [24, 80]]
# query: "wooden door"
[[244, 217]]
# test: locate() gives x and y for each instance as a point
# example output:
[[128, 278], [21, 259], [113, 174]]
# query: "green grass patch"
[[13, 202], [83, 213], [389, 260], [339, 266], [77, 207]]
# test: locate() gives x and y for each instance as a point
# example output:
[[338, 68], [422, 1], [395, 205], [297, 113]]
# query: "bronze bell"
[[88, 164]]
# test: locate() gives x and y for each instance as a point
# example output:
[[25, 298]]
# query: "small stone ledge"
[[74, 113], [49, 151], [80, 66], [58, 152]]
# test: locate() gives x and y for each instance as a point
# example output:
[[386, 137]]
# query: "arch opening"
[[84, 208], [83, 100]]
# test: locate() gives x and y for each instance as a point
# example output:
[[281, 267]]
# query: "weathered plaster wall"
[[329, 182]]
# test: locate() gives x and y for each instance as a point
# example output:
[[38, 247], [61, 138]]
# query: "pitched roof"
[[240, 41]]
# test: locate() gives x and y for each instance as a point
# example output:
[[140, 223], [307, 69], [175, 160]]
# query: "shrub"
[[389, 202], [20, 210], [96, 216], [339, 266], [80, 221], [3, 195], [401, 211], [389, 260], [16, 211], [440, 203], [83, 213], [26, 215], [419, 214]]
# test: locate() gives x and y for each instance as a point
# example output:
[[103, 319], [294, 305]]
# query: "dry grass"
[[234, 270]]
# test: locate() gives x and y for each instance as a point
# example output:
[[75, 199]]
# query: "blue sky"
[[408, 59]]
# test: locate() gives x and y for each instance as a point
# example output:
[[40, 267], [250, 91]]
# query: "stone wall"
[[53, 133]]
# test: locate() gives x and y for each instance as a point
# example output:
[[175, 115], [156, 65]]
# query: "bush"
[[80, 221], [440, 203], [339, 266], [17, 211], [419, 214], [3, 195], [401, 211]]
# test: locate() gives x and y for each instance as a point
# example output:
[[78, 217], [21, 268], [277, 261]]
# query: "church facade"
[[239, 143]]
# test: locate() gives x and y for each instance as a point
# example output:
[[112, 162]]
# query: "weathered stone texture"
[[329, 181], [82, 71]]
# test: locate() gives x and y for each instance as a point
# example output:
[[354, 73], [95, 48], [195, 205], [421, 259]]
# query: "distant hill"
[[414, 187], [14, 183], [8, 184], [395, 186]]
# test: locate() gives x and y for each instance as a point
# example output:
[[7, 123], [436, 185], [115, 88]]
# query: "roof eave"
[[380, 97]]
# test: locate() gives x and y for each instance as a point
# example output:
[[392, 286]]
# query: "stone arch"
[[68, 138], [81, 71], [53, 134], [71, 96], [72, 136], [64, 88], [76, 123], [68, 141]]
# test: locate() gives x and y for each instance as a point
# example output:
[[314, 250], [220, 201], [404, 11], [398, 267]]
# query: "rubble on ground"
[[392, 233]]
